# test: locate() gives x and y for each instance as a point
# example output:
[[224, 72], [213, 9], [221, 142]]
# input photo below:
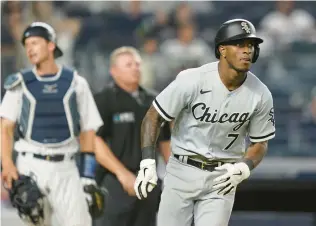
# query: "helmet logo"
[[244, 26]]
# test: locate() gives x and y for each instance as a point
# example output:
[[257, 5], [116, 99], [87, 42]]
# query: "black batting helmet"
[[237, 29], [45, 31]]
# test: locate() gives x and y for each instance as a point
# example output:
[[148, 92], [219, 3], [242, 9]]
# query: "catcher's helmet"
[[45, 31], [237, 29]]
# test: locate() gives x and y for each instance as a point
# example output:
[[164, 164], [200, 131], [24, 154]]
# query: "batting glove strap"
[[148, 163]]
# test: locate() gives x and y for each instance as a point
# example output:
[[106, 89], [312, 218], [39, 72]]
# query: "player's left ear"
[[51, 46], [222, 50]]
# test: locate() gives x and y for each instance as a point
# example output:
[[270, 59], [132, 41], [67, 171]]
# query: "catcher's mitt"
[[28, 199], [97, 201]]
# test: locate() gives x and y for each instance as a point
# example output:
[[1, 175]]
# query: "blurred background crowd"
[[175, 35]]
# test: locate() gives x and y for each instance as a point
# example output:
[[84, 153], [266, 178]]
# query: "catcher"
[[51, 106]]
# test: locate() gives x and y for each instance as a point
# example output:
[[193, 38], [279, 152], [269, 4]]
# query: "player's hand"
[[95, 196], [127, 180], [146, 179], [9, 173], [235, 174], [86, 182]]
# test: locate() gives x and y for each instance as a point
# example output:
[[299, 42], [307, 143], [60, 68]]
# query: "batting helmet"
[[237, 29], [45, 31]]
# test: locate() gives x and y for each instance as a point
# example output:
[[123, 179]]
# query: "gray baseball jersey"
[[212, 121]]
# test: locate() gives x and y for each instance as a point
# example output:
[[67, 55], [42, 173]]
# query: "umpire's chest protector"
[[49, 112]]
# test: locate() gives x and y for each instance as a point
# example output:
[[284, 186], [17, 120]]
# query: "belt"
[[208, 166], [50, 158]]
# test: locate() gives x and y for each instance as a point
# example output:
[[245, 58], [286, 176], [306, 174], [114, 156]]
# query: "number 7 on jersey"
[[234, 136]]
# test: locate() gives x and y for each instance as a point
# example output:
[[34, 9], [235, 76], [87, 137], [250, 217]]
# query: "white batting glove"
[[146, 179], [235, 174]]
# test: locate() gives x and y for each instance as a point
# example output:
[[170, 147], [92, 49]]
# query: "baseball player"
[[214, 108], [51, 107]]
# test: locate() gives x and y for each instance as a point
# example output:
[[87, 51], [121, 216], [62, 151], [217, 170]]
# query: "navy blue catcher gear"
[[45, 31], [234, 30]]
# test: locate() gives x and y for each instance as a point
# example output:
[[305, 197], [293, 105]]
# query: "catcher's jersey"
[[90, 119], [212, 121]]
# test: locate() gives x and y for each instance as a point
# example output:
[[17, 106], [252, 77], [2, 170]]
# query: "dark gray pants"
[[124, 210]]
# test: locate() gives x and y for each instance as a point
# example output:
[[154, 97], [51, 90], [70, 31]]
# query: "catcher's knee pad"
[[28, 199]]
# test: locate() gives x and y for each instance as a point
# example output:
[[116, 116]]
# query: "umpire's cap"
[[45, 31], [237, 29]]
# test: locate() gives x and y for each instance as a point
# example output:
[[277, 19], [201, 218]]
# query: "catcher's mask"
[[28, 199]]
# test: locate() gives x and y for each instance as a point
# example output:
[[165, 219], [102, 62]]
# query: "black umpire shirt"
[[122, 114]]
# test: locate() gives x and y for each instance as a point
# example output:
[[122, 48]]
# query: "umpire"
[[122, 106]]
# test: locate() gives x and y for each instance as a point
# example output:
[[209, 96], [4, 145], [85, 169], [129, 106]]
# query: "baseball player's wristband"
[[248, 162], [87, 165], [148, 152]]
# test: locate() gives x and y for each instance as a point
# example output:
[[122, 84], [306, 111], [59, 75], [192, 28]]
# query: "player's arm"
[[90, 121], [150, 131], [109, 161], [9, 110], [261, 129], [86, 140], [9, 171], [7, 137], [167, 106], [255, 153], [87, 160]]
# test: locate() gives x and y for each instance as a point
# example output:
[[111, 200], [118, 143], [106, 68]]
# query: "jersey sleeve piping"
[[161, 111], [262, 138]]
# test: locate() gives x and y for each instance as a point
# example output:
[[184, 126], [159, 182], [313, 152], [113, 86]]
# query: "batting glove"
[[235, 174], [146, 179]]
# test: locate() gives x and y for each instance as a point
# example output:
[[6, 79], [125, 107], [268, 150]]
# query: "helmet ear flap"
[[255, 53]]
